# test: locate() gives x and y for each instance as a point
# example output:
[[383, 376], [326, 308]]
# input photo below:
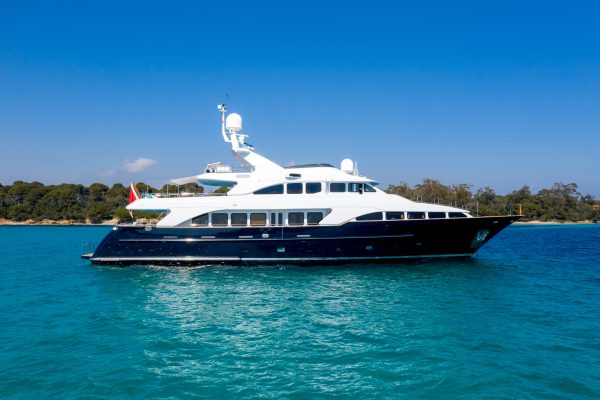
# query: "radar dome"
[[347, 165], [233, 122]]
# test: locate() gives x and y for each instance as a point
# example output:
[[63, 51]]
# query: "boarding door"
[[276, 220]]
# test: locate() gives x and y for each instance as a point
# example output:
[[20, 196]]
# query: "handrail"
[[148, 195]]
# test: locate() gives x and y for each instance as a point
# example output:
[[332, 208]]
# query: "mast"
[[231, 126]]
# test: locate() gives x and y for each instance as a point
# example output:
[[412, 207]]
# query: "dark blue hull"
[[352, 242]]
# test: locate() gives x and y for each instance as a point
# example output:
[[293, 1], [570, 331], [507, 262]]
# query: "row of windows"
[[315, 187], [294, 218], [396, 215]]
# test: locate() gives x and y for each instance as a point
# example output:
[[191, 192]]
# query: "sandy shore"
[[554, 222]]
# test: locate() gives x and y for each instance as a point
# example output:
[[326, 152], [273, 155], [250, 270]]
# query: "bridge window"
[[275, 189], [258, 219], [355, 187], [415, 215], [296, 218], [457, 215], [436, 215], [376, 216], [200, 220], [337, 187], [313, 217], [219, 219], [313, 187], [394, 215], [294, 188]]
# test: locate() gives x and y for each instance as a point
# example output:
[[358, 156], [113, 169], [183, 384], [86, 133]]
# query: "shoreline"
[[5, 222], [536, 222]]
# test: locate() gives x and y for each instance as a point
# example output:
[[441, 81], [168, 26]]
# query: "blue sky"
[[489, 93]]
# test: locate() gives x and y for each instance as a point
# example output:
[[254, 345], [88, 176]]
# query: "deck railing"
[[148, 195]]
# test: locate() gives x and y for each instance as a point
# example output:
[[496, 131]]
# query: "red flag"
[[134, 194]]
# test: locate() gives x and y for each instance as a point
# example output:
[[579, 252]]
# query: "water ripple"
[[519, 321]]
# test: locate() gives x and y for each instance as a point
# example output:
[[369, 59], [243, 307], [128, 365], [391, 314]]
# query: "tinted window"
[[275, 189], [219, 219], [239, 219], [415, 215], [369, 188], [376, 216], [201, 220], [457, 215], [392, 215], [355, 187], [294, 188], [258, 219], [276, 219], [434, 215], [313, 218], [337, 187], [296, 218], [313, 187]]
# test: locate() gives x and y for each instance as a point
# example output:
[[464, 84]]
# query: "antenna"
[[223, 110]]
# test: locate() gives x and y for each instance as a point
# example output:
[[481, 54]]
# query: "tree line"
[[35, 201], [561, 202], [76, 203]]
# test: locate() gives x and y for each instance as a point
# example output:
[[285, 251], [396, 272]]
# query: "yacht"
[[301, 214]]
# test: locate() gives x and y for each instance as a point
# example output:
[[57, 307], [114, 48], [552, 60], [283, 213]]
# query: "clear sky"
[[489, 93]]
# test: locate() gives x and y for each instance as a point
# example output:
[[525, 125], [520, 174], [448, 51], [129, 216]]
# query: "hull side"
[[378, 241]]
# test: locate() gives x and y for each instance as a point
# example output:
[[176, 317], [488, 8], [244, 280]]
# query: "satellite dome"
[[347, 165], [233, 122]]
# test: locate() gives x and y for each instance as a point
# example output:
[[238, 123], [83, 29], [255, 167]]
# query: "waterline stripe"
[[192, 258]]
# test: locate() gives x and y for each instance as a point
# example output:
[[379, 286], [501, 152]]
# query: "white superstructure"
[[339, 195]]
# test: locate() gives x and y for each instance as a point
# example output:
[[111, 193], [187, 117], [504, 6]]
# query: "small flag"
[[134, 194]]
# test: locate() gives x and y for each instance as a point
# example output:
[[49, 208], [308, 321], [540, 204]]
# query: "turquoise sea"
[[521, 320]]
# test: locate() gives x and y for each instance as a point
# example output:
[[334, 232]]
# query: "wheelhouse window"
[[313, 217], [239, 219], [415, 215], [437, 215], [219, 219], [457, 215], [313, 187], [337, 187], [274, 189], [355, 187], [394, 215], [200, 220], [376, 216], [294, 188], [295, 218], [258, 219]]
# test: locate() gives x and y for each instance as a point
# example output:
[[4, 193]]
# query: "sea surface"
[[521, 320]]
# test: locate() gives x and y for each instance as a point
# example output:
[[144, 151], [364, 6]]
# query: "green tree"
[[99, 212]]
